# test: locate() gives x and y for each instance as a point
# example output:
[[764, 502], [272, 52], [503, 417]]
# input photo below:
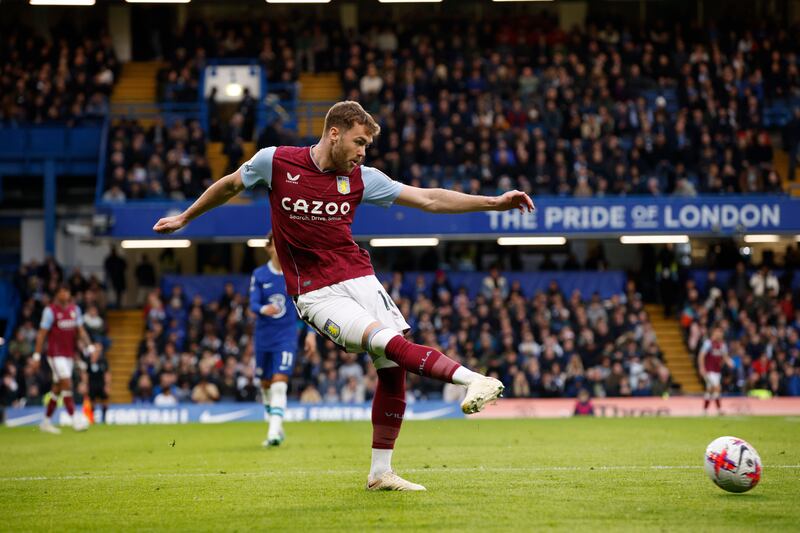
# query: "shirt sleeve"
[[705, 347], [255, 295], [379, 189], [47, 319], [259, 168]]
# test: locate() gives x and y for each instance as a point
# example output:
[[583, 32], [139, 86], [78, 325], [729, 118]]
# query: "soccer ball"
[[733, 464]]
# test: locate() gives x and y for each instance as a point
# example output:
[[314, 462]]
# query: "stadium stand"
[[758, 313], [549, 342], [587, 113], [158, 163], [65, 77]]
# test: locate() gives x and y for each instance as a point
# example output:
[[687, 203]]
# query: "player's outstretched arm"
[[220, 192], [445, 201]]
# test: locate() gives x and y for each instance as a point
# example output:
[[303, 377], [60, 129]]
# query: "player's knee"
[[377, 340], [280, 378]]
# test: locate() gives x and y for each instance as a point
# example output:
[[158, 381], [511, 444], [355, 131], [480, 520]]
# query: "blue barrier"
[[571, 217], [9, 308], [137, 414], [607, 284]]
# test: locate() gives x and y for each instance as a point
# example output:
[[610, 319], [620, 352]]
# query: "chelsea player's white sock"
[[277, 407], [265, 392]]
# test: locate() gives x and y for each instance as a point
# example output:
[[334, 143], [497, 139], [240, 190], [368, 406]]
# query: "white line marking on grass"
[[272, 473]]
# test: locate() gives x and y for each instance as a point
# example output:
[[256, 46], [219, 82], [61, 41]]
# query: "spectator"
[[145, 279], [494, 282], [115, 268], [764, 283]]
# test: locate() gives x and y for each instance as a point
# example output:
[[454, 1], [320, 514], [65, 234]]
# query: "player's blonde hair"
[[345, 115]]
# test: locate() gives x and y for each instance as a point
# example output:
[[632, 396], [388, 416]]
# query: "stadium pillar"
[[50, 207]]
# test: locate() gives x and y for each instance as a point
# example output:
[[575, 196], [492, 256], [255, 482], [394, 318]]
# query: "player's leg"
[[342, 319], [265, 394], [429, 362], [264, 372], [716, 389], [52, 403], [282, 363], [381, 338]]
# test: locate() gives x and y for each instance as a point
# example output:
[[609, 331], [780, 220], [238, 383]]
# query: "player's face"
[[716, 335], [63, 296], [349, 148]]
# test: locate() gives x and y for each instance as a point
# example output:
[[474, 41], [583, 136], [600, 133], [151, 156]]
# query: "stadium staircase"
[[676, 357], [218, 161], [125, 330], [138, 86], [317, 93], [780, 161]]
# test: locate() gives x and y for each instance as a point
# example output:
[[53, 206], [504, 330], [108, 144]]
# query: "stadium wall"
[[136, 414]]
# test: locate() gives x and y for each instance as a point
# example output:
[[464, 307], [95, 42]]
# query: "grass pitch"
[[481, 475]]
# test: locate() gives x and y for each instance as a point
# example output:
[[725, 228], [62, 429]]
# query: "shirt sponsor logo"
[[292, 179], [67, 323], [315, 207], [343, 184]]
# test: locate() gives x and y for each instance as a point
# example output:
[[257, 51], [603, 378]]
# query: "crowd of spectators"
[[604, 111], [156, 163], [25, 381], [541, 345], [63, 77], [760, 317], [282, 51]]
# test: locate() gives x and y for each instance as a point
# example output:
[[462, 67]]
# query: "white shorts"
[[713, 379], [343, 311], [61, 367]]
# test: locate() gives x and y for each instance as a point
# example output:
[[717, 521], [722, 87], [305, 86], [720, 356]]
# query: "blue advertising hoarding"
[[137, 414], [701, 215]]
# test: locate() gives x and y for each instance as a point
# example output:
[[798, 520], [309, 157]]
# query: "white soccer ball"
[[733, 464]]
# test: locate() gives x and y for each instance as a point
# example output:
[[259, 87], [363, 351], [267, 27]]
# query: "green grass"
[[577, 474]]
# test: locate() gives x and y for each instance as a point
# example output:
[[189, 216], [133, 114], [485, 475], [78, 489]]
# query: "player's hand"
[[269, 310], [36, 356], [515, 200], [170, 224], [89, 350], [310, 345]]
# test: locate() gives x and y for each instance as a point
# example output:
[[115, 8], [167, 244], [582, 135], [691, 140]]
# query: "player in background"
[[99, 379], [275, 339], [713, 353], [313, 193], [62, 325]]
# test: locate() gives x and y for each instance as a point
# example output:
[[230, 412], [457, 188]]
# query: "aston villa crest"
[[343, 184]]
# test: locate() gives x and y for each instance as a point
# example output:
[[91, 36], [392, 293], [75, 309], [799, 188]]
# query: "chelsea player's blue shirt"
[[279, 331]]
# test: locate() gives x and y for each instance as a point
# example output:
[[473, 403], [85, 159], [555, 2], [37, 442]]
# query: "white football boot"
[[391, 481], [48, 427], [479, 393], [274, 440], [80, 422]]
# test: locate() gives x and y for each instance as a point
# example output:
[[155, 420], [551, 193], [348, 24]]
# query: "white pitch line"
[[272, 473]]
